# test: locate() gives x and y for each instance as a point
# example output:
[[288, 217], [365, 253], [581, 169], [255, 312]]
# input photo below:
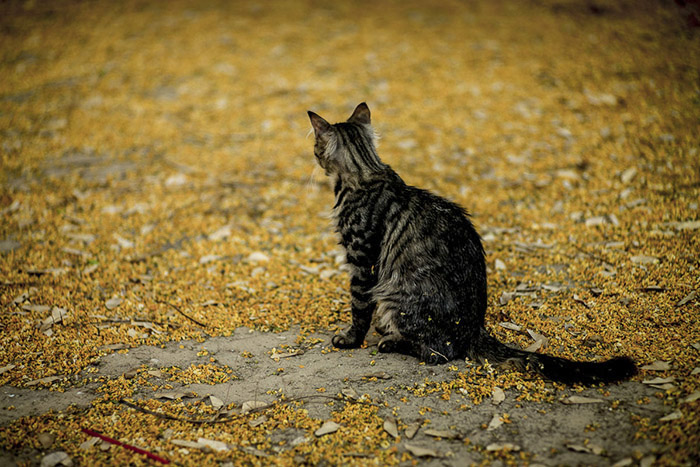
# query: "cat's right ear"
[[321, 127]]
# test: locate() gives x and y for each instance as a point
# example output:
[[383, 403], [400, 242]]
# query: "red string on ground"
[[150, 455]]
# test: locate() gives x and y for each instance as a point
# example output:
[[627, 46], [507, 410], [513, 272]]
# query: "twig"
[[150, 455], [203, 421], [176, 308]]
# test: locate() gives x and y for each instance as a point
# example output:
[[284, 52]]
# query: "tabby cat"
[[417, 263]]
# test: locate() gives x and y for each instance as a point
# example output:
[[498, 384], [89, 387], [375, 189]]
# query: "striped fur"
[[417, 263]]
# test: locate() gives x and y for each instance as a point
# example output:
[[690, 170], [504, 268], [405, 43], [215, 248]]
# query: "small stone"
[[498, 396]]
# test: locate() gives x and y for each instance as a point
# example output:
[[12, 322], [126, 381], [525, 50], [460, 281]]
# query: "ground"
[[171, 279]]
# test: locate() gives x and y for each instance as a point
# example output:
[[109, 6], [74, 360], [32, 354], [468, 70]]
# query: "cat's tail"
[[554, 368]]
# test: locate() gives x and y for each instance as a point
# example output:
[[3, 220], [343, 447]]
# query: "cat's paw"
[[432, 357], [346, 341], [393, 343]]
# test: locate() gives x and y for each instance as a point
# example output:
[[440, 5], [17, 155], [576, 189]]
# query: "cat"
[[417, 263]]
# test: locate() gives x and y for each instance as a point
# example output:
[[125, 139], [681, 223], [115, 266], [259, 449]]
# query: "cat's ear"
[[360, 115], [321, 126]]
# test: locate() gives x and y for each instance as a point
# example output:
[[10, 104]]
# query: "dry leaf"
[[46, 439], [390, 427], [672, 416], [691, 296], [255, 451], [642, 259], [417, 451], [506, 297], [628, 175], [113, 302], [412, 429], [123, 242], [220, 233], [56, 458], [447, 434], [209, 258], [670, 379], [378, 375], [6, 368], [258, 257], [495, 422], [258, 421], [581, 400], [510, 326], [692, 397], [215, 402], [657, 366], [350, 393], [327, 428], [46, 380], [36, 308], [89, 443], [218, 446], [623, 462], [540, 341], [590, 448], [250, 406], [502, 446], [186, 444], [176, 395]]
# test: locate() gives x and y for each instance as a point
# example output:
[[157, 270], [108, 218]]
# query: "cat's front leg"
[[362, 305]]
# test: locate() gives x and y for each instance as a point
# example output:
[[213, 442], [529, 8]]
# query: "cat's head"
[[346, 148]]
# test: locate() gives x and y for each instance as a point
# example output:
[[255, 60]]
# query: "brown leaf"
[[657, 366], [250, 406], [327, 428], [417, 451], [390, 427], [46, 380], [502, 447], [582, 400], [447, 434], [412, 429]]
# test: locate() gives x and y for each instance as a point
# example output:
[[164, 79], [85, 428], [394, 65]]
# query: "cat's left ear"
[[321, 126], [360, 115]]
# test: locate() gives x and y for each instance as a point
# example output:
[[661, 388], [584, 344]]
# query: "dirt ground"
[[170, 279], [554, 433]]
